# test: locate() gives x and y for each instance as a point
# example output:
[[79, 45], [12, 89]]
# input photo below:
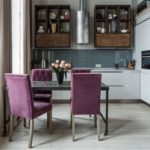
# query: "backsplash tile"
[[84, 58]]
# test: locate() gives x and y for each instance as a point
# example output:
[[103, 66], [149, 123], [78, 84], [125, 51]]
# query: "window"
[[17, 36]]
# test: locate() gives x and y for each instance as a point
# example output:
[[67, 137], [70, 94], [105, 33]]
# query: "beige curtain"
[[5, 48], [26, 45]]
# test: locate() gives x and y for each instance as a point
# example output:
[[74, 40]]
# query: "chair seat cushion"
[[42, 97], [41, 108]]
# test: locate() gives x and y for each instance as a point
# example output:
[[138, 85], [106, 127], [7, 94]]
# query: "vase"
[[60, 77]]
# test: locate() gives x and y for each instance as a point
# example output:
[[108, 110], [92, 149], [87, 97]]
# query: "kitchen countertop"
[[110, 69]]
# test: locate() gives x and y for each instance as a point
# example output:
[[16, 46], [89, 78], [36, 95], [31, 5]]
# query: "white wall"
[[142, 36], [74, 4]]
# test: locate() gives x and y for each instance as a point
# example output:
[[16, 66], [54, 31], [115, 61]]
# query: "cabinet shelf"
[[110, 20], [41, 20], [62, 20], [54, 20]]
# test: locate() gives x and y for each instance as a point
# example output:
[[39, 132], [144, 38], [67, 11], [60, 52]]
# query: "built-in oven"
[[146, 59]]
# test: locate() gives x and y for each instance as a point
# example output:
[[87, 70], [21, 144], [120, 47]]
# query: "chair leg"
[[24, 121], [95, 120], [98, 126], [31, 133], [11, 127], [70, 120], [49, 121], [73, 127]]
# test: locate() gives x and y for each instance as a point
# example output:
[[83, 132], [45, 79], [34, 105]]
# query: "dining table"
[[53, 85]]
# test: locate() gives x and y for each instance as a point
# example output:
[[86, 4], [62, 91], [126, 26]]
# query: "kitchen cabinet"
[[123, 84], [145, 86], [52, 26], [113, 26]]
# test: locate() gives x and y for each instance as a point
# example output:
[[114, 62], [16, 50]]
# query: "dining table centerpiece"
[[60, 68]]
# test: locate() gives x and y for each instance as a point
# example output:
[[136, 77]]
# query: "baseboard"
[[145, 103], [125, 101], [103, 101], [61, 101]]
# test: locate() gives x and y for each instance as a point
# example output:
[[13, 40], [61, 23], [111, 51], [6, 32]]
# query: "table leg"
[[106, 127]]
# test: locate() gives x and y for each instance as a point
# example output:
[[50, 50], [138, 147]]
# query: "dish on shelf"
[[52, 15], [124, 31]]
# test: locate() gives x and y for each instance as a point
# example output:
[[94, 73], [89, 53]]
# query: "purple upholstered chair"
[[80, 70], [85, 93], [21, 103], [42, 75]]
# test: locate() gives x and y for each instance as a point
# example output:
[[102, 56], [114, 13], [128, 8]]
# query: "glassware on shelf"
[[123, 14], [41, 29], [43, 62], [53, 27], [41, 14], [36, 55], [49, 58], [114, 26], [109, 28]]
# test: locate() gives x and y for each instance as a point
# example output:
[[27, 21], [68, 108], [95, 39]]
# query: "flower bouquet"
[[61, 68]]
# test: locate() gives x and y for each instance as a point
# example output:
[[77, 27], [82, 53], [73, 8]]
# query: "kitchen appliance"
[[146, 59], [141, 6], [82, 24]]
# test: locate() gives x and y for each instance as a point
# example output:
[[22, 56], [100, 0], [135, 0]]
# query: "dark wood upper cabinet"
[[113, 26], [52, 26]]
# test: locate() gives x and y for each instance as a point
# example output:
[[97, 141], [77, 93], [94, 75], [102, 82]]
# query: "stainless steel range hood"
[[82, 24]]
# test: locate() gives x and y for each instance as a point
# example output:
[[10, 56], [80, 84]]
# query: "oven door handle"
[[145, 56]]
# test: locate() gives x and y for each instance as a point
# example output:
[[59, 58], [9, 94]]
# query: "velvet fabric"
[[20, 97], [42, 75], [85, 93], [74, 70]]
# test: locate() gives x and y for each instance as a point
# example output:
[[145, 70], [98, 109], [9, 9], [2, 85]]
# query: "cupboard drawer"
[[52, 40], [111, 40], [43, 40]]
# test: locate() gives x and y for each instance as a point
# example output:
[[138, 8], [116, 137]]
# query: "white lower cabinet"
[[145, 87], [123, 85]]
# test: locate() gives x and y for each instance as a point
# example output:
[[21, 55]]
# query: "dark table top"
[[53, 85]]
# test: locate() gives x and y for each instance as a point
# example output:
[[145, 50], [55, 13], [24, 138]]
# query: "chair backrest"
[[41, 75], [19, 94], [85, 90], [75, 70]]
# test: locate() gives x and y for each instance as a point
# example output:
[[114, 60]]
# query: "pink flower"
[[57, 61], [62, 62], [56, 65], [67, 65], [62, 65], [53, 64]]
